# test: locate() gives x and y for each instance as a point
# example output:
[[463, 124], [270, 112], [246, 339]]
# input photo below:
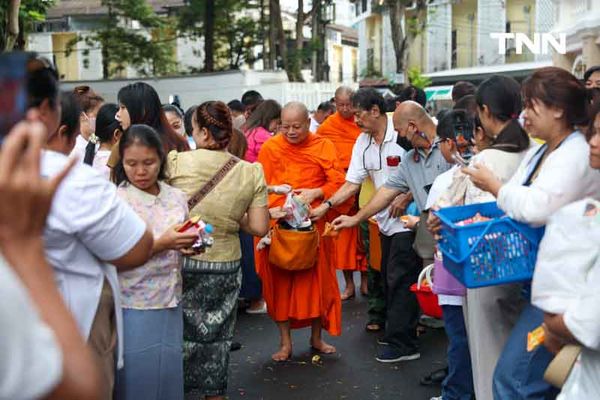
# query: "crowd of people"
[[106, 294]]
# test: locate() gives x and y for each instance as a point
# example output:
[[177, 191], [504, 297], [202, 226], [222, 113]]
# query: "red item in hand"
[[393, 161]]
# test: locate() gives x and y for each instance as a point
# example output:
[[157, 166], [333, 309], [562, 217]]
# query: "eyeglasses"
[[364, 157]]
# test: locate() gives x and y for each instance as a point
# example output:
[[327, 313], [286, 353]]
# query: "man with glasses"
[[341, 129], [376, 155]]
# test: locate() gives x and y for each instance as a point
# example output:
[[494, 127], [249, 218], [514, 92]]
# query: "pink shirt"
[[255, 137]]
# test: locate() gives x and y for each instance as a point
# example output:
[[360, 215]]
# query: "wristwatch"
[[329, 203]]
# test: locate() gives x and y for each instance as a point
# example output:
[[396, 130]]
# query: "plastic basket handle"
[[427, 272], [482, 235]]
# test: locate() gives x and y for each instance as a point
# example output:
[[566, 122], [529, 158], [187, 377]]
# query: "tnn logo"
[[539, 45]]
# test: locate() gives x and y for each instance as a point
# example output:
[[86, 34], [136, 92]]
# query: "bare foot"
[[322, 347], [348, 293], [284, 354], [364, 288]]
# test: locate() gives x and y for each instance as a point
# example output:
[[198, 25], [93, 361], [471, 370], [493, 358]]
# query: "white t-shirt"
[[79, 149], [30, 358], [314, 125], [565, 176], [438, 188], [88, 223], [100, 161], [370, 159]]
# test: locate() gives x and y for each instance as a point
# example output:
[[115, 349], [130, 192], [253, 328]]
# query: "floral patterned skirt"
[[209, 301]]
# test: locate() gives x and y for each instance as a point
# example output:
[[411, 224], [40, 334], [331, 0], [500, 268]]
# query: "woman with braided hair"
[[231, 195]]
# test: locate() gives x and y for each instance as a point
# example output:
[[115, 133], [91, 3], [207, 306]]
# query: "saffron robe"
[[349, 253], [301, 296]]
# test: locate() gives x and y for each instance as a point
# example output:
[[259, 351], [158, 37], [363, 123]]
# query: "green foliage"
[[235, 33], [30, 12], [416, 79], [149, 49]]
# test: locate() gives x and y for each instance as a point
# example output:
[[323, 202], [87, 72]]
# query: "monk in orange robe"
[[309, 164], [341, 129]]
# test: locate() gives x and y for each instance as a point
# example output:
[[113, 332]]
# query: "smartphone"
[[13, 89]]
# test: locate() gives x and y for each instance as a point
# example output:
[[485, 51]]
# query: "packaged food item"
[[204, 230], [330, 231], [474, 219], [297, 211], [535, 338]]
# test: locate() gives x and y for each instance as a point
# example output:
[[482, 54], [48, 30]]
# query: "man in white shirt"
[[377, 155], [323, 112]]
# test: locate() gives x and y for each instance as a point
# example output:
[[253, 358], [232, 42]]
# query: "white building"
[[457, 36], [580, 20]]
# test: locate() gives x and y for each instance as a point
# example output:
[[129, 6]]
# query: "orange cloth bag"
[[374, 245], [293, 250]]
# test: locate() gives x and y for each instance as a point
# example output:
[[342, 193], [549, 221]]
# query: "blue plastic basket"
[[487, 253]]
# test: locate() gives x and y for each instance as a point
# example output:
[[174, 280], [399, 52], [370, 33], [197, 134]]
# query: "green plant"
[[417, 79]]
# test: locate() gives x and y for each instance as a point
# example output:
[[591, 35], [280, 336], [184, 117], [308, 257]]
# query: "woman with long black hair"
[[139, 104], [108, 132]]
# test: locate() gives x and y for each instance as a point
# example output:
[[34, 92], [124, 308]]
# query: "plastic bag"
[[297, 211]]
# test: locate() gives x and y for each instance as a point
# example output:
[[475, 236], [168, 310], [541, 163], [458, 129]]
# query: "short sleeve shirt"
[[377, 162], [88, 225], [242, 188], [417, 173], [30, 358], [156, 284]]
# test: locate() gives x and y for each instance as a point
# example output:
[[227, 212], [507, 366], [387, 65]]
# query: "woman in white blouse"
[[548, 178]]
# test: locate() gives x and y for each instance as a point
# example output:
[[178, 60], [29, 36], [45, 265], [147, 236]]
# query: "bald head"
[[297, 108], [295, 122], [344, 91], [343, 102], [410, 118]]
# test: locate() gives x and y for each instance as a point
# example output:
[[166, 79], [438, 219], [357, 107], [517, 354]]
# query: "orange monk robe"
[[301, 296], [349, 253]]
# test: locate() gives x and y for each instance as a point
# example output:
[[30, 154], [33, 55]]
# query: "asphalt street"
[[351, 374]]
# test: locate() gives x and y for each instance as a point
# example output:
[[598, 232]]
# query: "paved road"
[[351, 374]]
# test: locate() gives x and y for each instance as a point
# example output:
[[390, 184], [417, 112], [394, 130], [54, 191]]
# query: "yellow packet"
[[535, 338]]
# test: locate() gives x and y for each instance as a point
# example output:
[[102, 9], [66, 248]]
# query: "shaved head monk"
[[343, 131], [298, 299]]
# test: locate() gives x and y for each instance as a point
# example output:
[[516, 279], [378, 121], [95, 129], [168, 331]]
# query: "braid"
[[210, 119]]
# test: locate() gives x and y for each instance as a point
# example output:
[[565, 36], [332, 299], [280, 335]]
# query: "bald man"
[[415, 174], [349, 256], [309, 164]]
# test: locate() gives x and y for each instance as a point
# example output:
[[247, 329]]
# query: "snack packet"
[[297, 211], [535, 338], [330, 231]]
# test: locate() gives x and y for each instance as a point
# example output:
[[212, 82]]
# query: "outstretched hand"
[[25, 196], [344, 221]]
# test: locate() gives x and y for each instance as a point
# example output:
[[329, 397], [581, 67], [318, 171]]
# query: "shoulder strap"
[[212, 183]]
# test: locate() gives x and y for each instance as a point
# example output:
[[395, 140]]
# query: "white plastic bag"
[[297, 211]]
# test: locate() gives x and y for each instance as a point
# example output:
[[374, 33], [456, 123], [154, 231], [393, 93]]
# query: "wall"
[[439, 19], [491, 18], [224, 86], [464, 21], [68, 67]]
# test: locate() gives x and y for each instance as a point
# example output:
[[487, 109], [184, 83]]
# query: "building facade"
[[580, 20]]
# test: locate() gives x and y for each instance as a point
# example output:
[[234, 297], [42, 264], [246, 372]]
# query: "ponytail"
[[90, 152]]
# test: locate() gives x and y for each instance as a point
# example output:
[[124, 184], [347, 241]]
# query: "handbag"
[[425, 243], [212, 183], [293, 250], [560, 367]]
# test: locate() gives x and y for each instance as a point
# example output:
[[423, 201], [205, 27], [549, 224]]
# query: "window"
[[454, 49]]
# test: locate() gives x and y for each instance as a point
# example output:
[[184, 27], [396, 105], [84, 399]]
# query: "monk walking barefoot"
[[309, 297], [348, 255]]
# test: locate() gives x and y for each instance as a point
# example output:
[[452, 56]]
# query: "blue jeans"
[[458, 385], [519, 374]]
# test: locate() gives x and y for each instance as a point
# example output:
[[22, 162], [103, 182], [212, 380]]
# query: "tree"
[[415, 24], [229, 33], [17, 18], [147, 49]]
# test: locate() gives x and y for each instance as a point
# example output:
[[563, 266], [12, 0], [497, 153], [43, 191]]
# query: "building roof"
[[94, 7], [348, 34]]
